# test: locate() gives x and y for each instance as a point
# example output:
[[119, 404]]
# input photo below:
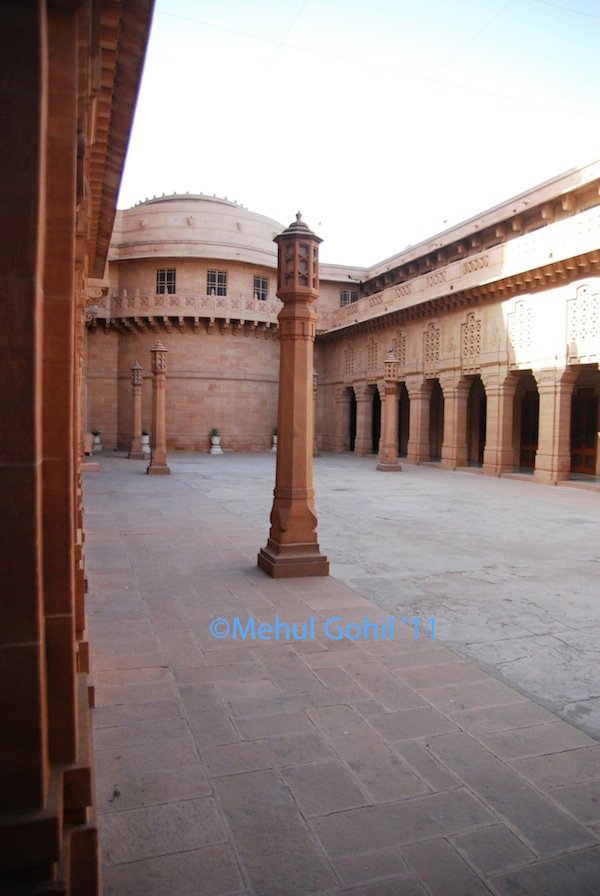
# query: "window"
[[216, 283], [347, 296], [165, 281], [261, 289]]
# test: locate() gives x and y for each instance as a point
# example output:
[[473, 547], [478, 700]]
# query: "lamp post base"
[[292, 561]]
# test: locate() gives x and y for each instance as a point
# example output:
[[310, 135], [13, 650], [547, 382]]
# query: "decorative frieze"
[[431, 349], [520, 334], [471, 343], [372, 359], [583, 343], [348, 363], [399, 349]]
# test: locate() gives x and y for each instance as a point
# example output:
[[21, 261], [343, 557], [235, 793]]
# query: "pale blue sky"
[[384, 122]]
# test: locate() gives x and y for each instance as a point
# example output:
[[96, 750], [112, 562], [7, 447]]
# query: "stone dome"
[[194, 226]]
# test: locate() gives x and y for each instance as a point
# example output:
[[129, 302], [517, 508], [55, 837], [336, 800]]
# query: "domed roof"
[[194, 226]]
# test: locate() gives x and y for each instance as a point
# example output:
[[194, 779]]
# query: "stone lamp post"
[[158, 457], [135, 450], [388, 453], [292, 549]]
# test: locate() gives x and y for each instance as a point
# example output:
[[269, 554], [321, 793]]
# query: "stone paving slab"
[[305, 767]]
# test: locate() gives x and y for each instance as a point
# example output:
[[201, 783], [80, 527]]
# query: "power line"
[[284, 38], [575, 12], [428, 79]]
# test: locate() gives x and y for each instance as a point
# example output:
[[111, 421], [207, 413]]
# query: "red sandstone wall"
[[228, 381]]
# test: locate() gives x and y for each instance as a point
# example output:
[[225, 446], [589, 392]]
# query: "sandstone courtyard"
[[463, 763]]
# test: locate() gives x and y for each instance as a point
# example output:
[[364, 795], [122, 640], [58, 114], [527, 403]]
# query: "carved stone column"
[[388, 446], [363, 443], [500, 388], [455, 452], [419, 392], [315, 380], [136, 392], [158, 456], [292, 549], [553, 457], [341, 423]]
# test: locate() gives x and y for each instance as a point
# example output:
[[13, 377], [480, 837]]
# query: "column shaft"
[[341, 423], [292, 549], [58, 411], [455, 451], [388, 451], [363, 443], [500, 390], [23, 741], [419, 392], [553, 457]]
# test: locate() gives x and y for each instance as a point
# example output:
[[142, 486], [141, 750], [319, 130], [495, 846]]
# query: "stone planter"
[[146, 444], [96, 443], [274, 445], [215, 445]]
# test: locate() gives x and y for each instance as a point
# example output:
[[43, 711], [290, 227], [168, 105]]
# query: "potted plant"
[[215, 441], [274, 445], [96, 441], [145, 441]]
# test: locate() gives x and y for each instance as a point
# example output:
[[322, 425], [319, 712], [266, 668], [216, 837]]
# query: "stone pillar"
[[553, 457], [388, 444], [500, 388], [419, 392], [58, 373], [158, 456], [136, 392], [24, 768], [363, 443], [292, 549], [455, 451], [315, 380], [341, 423]]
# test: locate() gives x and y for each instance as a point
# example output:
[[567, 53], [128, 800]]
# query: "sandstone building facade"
[[492, 326], [70, 75]]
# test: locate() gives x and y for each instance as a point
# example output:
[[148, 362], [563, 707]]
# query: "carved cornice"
[[531, 281], [124, 31]]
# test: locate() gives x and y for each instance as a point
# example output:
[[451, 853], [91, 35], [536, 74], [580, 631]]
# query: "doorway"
[[436, 422], [352, 421], [376, 421], [403, 420], [476, 422], [530, 414], [584, 432]]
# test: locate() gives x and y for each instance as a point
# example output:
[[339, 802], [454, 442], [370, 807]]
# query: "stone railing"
[[555, 244], [137, 306]]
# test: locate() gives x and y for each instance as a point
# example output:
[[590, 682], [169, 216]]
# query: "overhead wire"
[[428, 79]]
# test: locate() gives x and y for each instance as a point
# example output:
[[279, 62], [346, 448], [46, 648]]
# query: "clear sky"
[[383, 121]]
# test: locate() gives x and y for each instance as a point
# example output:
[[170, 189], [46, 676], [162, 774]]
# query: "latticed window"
[[216, 283], [261, 289], [372, 355], [347, 296], [165, 281]]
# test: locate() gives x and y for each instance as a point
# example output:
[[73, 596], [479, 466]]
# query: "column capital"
[[499, 378], [418, 386], [454, 381], [549, 378]]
